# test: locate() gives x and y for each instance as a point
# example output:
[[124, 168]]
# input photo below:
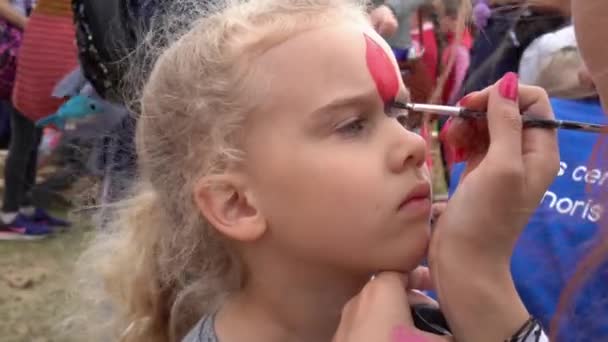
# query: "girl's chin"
[[410, 264]]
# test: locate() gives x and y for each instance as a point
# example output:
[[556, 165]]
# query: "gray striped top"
[[203, 331]]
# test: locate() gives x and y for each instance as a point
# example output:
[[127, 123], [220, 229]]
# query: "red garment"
[[429, 59], [451, 155], [467, 38], [429, 45], [431, 55], [48, 52], [461, 53], [425, 132]]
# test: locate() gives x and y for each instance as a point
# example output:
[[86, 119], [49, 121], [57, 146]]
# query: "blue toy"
[[77, 108]]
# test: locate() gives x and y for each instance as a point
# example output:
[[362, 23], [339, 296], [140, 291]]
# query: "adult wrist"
[[479, 299], [468, 247], [530, 331], [600, 81]]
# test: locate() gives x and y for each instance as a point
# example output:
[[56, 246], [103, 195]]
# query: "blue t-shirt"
[[563, 230]]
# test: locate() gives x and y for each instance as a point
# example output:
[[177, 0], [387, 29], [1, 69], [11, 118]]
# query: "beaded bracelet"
[[531, 331]]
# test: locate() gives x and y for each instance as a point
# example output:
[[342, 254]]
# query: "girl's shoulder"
[[203, 331]]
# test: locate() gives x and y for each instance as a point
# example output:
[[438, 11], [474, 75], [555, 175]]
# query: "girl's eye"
[[410, 121], [353, 127]]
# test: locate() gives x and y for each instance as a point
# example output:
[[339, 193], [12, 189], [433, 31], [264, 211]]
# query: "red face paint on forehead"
[[382, 70]]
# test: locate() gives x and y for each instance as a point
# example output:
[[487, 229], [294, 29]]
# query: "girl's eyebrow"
[[346, 101]]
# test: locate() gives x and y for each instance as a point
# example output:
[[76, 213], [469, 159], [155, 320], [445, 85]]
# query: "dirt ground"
[[34, 281], [35, 276]]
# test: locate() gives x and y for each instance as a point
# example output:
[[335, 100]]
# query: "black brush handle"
[[531, 121]]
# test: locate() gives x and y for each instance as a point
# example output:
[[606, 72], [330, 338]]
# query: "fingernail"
[[508, 86]]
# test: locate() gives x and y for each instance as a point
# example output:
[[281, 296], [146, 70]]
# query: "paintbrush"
[[528, 119]]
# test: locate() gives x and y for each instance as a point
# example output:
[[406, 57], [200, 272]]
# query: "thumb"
[[504, 120], [385, 298], [419, 279]]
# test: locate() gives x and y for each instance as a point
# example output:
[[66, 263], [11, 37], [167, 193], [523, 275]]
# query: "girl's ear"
[[229, 206]]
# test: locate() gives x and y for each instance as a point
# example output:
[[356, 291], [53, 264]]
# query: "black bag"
[[105, 34], [109, 33]]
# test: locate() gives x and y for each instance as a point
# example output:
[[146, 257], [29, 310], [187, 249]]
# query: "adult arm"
[[508, 169], [10, 14], [461, 66], [588, 16]]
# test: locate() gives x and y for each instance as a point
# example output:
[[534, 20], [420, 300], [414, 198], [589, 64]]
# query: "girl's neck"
[[298, 305]]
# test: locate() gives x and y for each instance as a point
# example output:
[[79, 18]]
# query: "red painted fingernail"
[[508, 86]]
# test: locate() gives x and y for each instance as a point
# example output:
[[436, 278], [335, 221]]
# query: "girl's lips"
[[419, 198], [419, 192]]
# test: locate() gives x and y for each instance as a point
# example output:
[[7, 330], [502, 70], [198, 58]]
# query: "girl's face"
[[339, 182]]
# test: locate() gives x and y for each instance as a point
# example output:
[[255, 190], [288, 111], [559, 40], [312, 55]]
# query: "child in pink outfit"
[[458, 48]]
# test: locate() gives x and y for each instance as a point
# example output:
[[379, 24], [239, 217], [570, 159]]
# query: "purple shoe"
[[24, 229], [41, 216]]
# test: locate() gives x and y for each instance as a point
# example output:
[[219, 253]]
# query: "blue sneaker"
[[24, 229], [41, 216]]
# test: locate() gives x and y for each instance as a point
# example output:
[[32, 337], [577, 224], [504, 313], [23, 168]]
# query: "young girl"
[[46, 55], [276, 179], [457, 48]]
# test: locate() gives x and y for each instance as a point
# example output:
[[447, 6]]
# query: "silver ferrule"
[[437, 109]]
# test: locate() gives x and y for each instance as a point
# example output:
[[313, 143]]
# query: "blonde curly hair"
[[162, 265]]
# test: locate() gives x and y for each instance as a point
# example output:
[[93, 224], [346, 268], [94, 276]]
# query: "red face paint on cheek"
[[382, 70]]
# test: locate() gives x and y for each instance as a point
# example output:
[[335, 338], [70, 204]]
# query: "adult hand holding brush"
[[508, 170]]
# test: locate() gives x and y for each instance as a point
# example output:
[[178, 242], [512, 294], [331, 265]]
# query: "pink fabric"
[[462, 61]]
